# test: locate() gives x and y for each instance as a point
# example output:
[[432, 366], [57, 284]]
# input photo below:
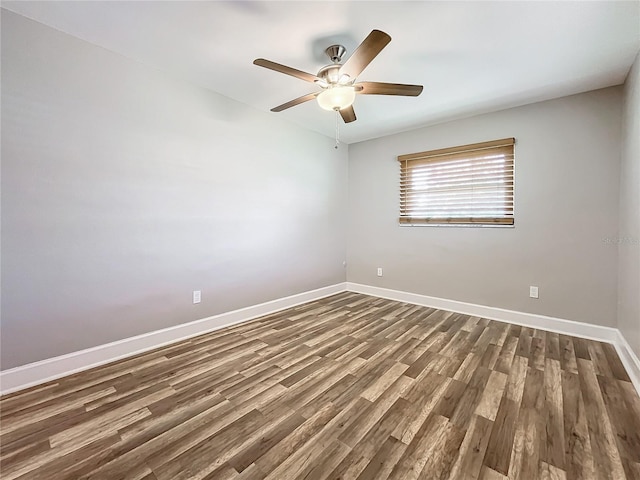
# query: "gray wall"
[[567, 179], [629, 240], [123, 190]]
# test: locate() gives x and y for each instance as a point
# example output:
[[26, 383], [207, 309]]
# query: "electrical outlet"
[[379, 271], [196, 296], [533, 292]]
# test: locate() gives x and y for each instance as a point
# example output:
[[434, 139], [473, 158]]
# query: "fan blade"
[[365, 53], [294, 102], [380, 88], [261, 62], [348, 114]]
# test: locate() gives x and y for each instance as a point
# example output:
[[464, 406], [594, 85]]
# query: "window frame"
[[505, 146]]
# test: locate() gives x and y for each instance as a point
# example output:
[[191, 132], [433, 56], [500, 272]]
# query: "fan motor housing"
[[330, 73]]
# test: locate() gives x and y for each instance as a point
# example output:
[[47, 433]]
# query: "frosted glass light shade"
[[336, 98]]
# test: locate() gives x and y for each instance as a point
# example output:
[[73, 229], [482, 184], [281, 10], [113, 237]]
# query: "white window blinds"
[[470, 184]]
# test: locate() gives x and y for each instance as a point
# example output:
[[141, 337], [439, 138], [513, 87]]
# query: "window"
[[466, 185]]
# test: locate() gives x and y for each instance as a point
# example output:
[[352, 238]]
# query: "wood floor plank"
[[604, 447], [297, 438], [489, 474], [516, 379], [599, 360], [442, 454], [625, 426], [525, 454], [447, 404], [632, 469], [614, 362], [247, 456], [468, 465], [505, 358], [553, 346], [549, 472], [370, 416], [383, 462], [491, 396], [498, 456], [537, 354], [567, 354], [363, 452], [415, 457], [345, 387], [578, 457], [424, 395], [552, 445]]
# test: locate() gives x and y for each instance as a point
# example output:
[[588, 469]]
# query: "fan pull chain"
[[337, 130]]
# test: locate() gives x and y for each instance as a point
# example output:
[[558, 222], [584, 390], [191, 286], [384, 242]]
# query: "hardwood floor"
[[348, 387]]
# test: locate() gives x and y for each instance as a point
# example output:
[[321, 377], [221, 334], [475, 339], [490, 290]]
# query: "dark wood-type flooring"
[[348, 387]]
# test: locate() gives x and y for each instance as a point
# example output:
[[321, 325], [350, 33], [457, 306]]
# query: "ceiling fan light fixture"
[[337, 80], [337, 97]]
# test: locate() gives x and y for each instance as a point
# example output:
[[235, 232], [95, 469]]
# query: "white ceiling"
[[472, 57]]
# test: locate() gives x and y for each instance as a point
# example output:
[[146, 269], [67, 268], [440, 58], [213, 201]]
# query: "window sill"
[[456, 225]]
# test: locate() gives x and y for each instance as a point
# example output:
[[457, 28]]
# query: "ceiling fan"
[[337, 80]]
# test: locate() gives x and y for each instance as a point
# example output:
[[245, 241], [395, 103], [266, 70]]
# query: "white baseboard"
[[50, 369], [542, 322], [43, 371], [629, 360], [552, 324]]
